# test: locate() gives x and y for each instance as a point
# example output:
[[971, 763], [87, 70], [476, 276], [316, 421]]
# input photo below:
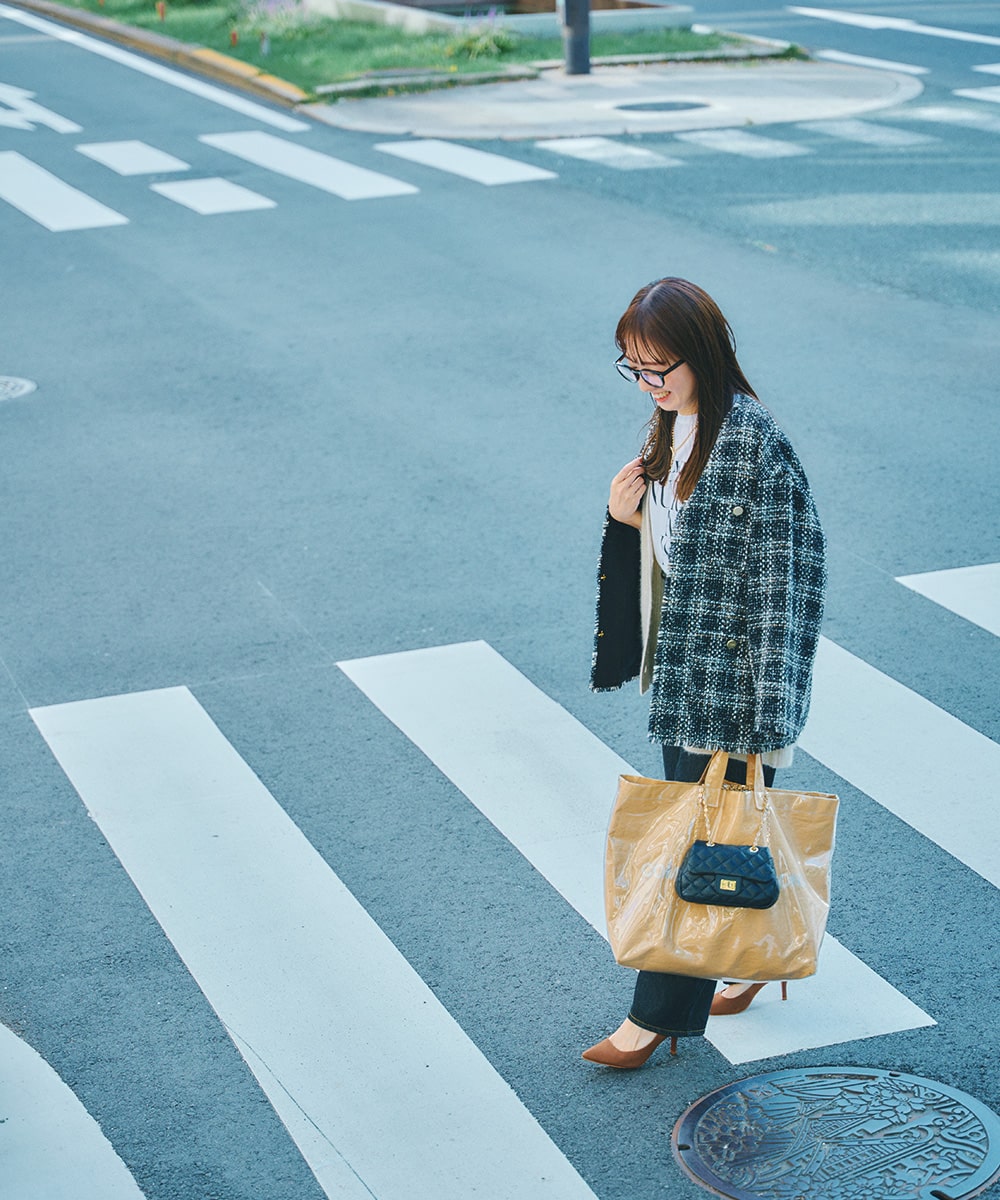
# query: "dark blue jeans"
[[677, 1004]]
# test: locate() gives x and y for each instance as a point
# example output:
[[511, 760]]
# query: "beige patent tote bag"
[[653, 824]]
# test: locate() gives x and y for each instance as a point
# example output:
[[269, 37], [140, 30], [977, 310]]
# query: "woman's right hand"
[[627, 489]]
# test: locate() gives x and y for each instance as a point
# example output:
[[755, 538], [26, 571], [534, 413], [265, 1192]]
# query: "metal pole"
[[576, 36]]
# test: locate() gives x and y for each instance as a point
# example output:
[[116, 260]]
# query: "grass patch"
[[279, 37]]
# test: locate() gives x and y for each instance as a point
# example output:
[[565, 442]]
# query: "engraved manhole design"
[[11, 387], [660, 106], [839, 1133]]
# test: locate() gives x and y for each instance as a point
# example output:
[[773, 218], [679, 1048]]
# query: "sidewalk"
[[612, 100], [660, 98]]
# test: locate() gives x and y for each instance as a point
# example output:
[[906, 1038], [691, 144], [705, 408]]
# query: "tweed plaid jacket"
[[729, 648]]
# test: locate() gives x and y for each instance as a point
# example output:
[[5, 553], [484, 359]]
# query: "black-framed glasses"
[[653, 378]]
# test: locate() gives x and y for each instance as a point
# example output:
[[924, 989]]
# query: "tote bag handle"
[[715, 773]]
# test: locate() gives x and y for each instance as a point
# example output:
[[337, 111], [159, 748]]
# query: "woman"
[[710, 589]]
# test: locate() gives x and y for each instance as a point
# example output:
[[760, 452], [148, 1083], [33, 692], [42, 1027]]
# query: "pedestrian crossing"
[[52, 1146], [59, 204], [314, 995], [48, 200], [547, 783]]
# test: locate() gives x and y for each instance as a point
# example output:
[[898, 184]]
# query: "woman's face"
[[679, 392]]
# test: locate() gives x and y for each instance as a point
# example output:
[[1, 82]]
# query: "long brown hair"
[[673, 319]]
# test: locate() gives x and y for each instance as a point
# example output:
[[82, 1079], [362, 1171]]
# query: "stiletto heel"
[[726, 1006], [608, 1055]]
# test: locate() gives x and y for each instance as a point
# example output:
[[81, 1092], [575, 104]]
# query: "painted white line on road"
[[989, 68], [477, 165], [210, 197], [949, 114], [48, 200], [25, 113], [915, 759], [322, 171], [135, 62], [902, 24], [972, 592], [382, 1091], [50, 1145], [851, 130], [876, 64], [989, 94], [737, 141], [609, 153], [132, 158], [547, 783]]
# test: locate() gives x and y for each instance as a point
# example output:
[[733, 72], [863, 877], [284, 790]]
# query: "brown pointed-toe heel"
[[608, 1055], [725, 1006]]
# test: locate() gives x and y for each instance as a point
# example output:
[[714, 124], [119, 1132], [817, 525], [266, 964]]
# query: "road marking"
[[989, 68], [210, 197], [308, 166], [737, 141], [51, 1145], [972, 118], [547, 783], [913, 758], [972, 592], [132, 158], [382, 1091], [186, 83], [609, 153], [477, 165], [903, 24], [871, 135], [46, 199], [990, 94], [877, 64], [24, 113], [875, 209]]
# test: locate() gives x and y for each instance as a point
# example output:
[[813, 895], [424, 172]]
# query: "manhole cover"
[[660, 106], [839, 1133], [11, 388]]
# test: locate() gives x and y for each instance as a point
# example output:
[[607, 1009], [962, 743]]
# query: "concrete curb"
[[222, 68]]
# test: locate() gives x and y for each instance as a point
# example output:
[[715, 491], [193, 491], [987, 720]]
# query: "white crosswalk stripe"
[[132, 158], [868, 133], [478, 165], [46, 199], [52, 1146], [906, 753], [211, 197], [990, 94], [313, 994], [738, 141], [609, 153], [950, 114], [972, 592], [322, 171]]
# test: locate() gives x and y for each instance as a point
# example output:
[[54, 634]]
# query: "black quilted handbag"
[[736, 876]]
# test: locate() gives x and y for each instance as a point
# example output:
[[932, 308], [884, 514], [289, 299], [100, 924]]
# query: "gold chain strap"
[[763, 828]]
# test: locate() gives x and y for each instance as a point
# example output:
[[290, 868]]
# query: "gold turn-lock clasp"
[[727, 885]]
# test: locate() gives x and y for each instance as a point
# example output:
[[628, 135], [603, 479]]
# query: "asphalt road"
[[264, 443]]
